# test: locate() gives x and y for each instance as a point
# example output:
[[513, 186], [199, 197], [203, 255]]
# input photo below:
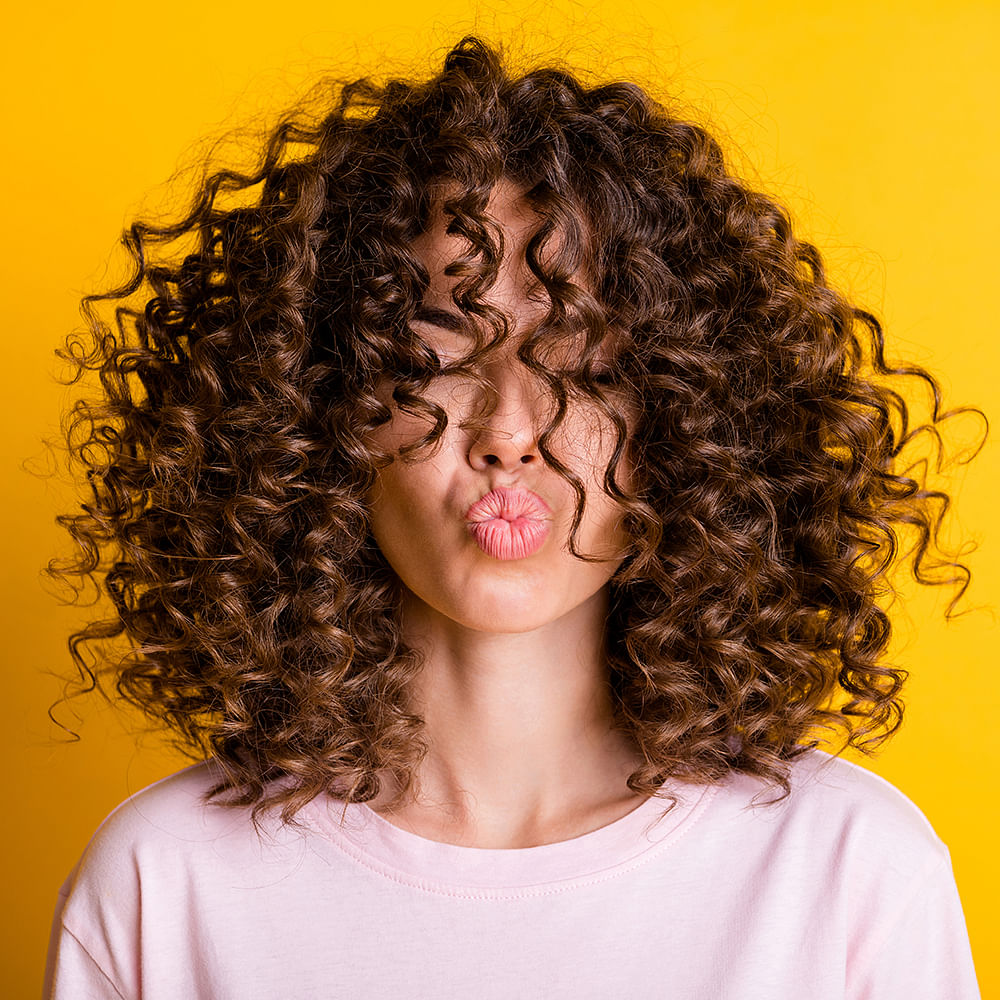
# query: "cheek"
[[406, 426], [393, 506], [591, 444]]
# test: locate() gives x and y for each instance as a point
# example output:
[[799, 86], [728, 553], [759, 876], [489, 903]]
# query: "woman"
[[505, 517]]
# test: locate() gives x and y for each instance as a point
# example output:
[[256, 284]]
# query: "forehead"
[[511, 221]]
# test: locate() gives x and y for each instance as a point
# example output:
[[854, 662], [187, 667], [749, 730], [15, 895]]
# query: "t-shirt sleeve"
[[73, 974], [924, 951]]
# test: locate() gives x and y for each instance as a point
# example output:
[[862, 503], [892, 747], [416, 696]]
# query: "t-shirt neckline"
[[454, 869]]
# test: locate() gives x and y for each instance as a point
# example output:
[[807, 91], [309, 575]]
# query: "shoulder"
[[853, 793], [168, 827], [167, 838], [173, 808], [845, 809], [158, 863]]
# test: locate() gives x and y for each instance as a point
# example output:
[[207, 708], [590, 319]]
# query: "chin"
[[502, 617], [506, 624]]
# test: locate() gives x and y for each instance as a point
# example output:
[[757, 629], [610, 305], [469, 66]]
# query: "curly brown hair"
[[769, 501]]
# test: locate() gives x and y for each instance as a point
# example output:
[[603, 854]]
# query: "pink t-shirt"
[[842, 890]]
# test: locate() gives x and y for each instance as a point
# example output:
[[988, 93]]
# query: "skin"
[[514, 690]]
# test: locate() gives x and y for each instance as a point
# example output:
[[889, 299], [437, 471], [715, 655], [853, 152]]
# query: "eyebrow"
[[442, 318], [453, 322]]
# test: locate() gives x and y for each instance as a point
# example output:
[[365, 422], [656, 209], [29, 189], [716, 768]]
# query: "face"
[[510, 573]]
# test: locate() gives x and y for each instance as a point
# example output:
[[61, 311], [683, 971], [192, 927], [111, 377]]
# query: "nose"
[[508, 437]]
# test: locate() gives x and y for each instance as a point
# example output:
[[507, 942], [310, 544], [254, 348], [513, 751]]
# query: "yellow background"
[[875, 122]]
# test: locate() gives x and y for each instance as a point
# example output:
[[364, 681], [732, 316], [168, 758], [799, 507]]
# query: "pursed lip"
[[508, 503]]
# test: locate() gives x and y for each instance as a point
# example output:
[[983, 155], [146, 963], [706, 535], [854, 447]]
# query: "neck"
[[519, 729]]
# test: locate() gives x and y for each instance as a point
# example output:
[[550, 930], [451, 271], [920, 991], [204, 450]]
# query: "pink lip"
[[509, 523]]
